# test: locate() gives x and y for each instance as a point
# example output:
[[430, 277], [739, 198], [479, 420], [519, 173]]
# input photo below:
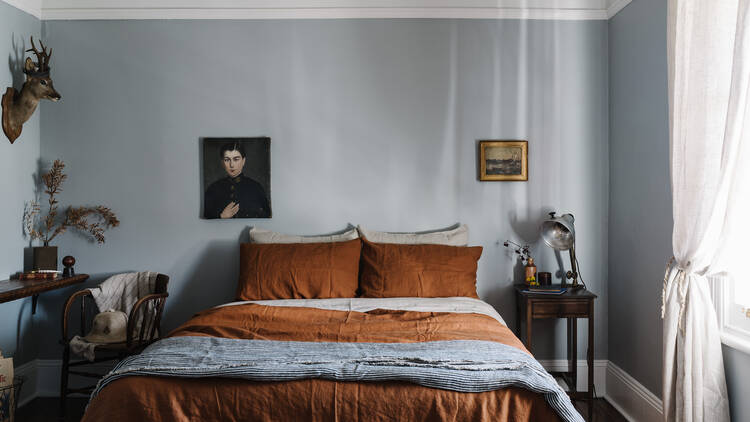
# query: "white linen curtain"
[[709, 70]]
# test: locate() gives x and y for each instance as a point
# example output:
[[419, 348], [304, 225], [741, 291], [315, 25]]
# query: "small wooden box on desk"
[[571, 305]]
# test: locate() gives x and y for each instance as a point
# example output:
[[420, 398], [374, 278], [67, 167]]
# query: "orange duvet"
[[139, 398]]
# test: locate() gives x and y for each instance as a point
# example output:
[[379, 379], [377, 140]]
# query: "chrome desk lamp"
[[559, 233]]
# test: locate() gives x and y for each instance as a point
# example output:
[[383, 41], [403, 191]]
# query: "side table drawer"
[[558, 309]]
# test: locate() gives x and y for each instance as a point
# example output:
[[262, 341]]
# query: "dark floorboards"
[[603, 411], [45, 410]]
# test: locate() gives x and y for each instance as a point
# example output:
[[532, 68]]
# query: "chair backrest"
[[162, 280], [149, 327]]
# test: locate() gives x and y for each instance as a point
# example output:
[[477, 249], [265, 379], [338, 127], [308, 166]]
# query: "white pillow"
[[267, 236], [452, 237]]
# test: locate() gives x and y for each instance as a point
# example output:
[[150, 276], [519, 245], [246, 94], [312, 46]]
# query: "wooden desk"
[[18, 289], [570, 305]]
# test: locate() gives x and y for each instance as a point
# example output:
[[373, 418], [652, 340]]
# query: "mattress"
[[393, 320]]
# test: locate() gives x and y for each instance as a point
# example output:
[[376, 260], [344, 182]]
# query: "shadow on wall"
[[25, 346], [15, 61], [198, 284], [527, 230]]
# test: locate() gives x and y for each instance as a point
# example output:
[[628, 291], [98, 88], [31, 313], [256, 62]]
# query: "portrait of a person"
[[235, 195]]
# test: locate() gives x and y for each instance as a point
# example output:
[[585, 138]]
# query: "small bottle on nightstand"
[[531, 273]]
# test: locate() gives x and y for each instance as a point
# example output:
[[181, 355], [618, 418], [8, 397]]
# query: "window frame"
[[731, 335]]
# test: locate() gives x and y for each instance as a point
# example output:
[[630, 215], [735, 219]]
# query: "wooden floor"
[[45, 410]]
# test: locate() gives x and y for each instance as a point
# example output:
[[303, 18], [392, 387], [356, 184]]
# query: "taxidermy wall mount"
[[19, 106]]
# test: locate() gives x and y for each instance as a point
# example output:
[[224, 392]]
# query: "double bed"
[[335, 358]]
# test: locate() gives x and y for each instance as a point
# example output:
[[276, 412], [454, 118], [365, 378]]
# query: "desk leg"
[[528, 326], [518, 316], [573, 352], [590, 358]]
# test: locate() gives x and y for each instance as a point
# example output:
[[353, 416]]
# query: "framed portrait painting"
[[236, 178], [503, 161]]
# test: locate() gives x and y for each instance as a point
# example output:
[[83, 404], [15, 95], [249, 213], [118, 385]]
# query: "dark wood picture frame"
[[503, 160], [242, 189]]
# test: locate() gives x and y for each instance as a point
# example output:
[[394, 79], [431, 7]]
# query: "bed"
[[403, 320], [302, 343]]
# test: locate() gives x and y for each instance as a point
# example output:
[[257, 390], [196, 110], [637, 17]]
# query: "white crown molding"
[[615, 6], [323, 13], [320, 9], [32, 7]]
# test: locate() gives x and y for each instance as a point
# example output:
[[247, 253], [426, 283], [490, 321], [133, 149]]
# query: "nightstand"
[[570, 305]]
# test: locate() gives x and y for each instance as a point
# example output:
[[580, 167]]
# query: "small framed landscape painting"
[[236, 178], [503, 161]]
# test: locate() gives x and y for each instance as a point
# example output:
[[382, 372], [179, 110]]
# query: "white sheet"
[[461, 305]]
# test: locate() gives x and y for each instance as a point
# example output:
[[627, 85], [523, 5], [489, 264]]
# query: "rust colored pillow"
[[298, 270], [397, 270]]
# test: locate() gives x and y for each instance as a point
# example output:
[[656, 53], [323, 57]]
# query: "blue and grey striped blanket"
[[458, 365]]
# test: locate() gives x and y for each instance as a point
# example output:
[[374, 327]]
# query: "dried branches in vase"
[[91, 220], [523, 251]]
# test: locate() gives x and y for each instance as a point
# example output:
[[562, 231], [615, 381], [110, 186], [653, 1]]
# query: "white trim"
[[28, 390], [616, 6], [44, 376], [621, 390], [323, 13], [32, 7], [734, 340], [630, 397], [318, 9], [600, 373], [42, 379], [730, 335]]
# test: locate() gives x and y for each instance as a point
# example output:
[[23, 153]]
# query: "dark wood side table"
[[18, 289], [570, 305]]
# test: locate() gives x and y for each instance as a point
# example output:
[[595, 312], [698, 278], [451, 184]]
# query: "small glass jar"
[[531, 273]]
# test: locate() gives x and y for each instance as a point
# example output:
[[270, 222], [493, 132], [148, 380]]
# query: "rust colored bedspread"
[[139, 398]]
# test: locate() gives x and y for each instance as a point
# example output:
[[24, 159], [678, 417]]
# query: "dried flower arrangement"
[[524, 251], [91, 220]]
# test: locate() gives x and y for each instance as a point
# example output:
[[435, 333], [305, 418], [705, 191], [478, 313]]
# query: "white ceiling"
[[320, 9]]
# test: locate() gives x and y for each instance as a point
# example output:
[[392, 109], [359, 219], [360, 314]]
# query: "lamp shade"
[[559, 232]]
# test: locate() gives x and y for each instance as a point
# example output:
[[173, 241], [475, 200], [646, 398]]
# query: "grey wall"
[[640, 207], [18, 164], [737, 371], [372, 122]]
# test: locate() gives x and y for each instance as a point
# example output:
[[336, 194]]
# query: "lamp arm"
[[573, 273]]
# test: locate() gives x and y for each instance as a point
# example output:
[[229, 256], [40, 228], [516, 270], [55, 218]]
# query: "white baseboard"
[[630, 397], [42, 378], [28, 390], [600, 373]]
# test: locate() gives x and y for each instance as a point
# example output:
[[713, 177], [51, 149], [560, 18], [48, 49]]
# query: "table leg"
[[590, 358], [528, 326], [573, 352], [518, 315]]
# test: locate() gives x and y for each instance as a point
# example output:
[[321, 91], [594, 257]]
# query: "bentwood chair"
[[135, 342]]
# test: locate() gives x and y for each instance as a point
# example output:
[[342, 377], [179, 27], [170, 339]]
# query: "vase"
[[45, 258]]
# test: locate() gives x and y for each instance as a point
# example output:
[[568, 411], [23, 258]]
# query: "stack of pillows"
[[358, 263]]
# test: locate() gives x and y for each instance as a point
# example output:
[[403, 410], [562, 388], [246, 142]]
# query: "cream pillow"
[[267, 236], [458, 236]]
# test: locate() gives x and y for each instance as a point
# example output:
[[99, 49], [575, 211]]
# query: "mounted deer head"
[[19, 106]]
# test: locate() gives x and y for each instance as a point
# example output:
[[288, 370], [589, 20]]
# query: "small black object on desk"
[[68, 262]]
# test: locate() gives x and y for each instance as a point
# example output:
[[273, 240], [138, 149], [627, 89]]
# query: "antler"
[[42, 57]]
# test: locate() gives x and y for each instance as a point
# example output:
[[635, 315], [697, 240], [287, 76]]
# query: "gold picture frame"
[[503, 161]]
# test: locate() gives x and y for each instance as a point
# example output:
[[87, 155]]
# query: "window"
[[731, 289], [733, 318]]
